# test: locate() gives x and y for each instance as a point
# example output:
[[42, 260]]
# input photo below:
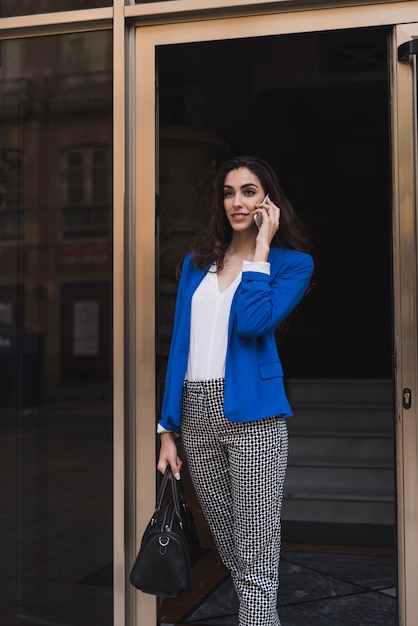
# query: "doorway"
[[315, 105]]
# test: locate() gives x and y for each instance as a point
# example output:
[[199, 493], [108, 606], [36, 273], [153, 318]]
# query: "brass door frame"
[[404, 142], [148, 38]]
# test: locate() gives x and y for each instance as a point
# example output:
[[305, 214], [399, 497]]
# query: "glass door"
[[323, 139], [317, 105]]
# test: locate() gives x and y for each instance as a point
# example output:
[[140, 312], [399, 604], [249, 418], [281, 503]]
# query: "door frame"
[[405, 241], [187, 29]]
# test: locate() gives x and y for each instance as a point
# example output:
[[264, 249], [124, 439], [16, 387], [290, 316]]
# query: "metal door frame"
[[404, 178]]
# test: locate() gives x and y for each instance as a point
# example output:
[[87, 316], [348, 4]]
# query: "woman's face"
[[242, 191]]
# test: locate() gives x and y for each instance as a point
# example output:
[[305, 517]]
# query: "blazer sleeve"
[[168, 421], [264, 301]]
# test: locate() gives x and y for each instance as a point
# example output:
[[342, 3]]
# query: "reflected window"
[[11, 63], [86, 56], [14, 8], [86, 210], [11, 214]]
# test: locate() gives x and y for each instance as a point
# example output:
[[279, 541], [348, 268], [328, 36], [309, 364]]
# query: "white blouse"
[[209, 328]]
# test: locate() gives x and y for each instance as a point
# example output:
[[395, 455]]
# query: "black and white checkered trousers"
[[238, 471]]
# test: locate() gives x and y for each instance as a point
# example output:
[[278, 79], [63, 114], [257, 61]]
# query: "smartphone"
[[258, 217]]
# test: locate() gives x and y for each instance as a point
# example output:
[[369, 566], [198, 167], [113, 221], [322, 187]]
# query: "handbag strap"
[[174, 488], [162, 488]]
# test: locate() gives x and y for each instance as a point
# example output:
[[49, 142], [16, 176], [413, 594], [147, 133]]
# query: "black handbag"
[[169, 545]]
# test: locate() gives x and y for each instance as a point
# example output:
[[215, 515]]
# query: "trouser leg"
[[258, 459], [238, 472], [208, 462]]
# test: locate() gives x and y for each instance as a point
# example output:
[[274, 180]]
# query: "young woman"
[[224, 387]]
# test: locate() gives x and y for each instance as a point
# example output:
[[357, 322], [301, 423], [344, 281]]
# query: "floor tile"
[[366, 609], [367, 570], [319, 589]]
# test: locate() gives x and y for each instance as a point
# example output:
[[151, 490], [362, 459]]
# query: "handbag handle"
[[162, 488], [168, 475]]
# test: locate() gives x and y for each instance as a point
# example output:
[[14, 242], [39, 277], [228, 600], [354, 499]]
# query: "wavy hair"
[[209, 248]]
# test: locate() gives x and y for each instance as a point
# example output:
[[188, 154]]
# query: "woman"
[[224, 386]]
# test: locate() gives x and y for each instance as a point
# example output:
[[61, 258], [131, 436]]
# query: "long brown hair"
[[209, 248]]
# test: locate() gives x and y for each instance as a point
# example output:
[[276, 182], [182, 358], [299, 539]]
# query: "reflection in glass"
[[15, 8], [86, 192], [10, 195], [56, 528]]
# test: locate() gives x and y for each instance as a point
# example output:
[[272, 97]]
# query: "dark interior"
[[315, 106]]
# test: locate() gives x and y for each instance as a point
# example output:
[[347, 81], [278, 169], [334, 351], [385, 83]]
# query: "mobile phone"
[[258, 217]]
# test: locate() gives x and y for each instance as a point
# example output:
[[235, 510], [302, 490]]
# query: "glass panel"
[[56, 470], [14, 8]]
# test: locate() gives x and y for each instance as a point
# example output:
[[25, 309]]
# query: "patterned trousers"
[[238, 470]]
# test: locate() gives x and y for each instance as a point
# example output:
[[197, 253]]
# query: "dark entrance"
[[316, 106]]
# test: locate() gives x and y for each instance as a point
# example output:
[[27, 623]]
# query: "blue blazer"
[[254, 386]]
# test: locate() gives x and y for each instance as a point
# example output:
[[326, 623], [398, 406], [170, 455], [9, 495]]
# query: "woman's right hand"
[[168, 455]]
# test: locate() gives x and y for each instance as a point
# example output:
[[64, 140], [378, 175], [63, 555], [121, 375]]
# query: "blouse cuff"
[[161, 429], [256, 266]]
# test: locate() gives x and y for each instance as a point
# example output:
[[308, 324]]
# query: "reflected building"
[[56, 243], [56, 211]]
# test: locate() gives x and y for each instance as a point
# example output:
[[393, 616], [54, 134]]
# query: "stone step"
[[329, 494], [330, 511], [333, 391], [341, 452], [377, 463], [338, 480], [342, 420], [347, 451]]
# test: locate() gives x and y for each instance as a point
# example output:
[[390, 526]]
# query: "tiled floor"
[[318, 588]]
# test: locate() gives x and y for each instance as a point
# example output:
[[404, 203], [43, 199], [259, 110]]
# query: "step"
[[343, 451], [339, 480], [339, 512], [336, 391], [342, 420], [334, 493]]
